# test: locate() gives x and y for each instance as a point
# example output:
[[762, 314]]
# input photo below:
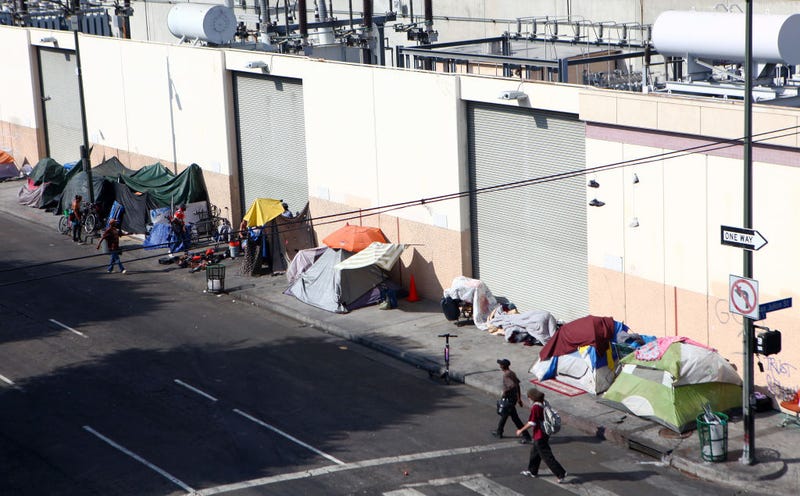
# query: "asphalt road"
[[141, 384]]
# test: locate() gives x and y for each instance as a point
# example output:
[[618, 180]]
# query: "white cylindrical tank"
[[721, 35], [211, 23]]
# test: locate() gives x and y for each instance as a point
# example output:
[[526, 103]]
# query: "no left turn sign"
[[743, 296]]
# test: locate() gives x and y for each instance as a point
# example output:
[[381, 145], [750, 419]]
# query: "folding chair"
[[791, 410]]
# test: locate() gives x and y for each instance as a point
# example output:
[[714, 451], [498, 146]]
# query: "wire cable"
[[204, 241]]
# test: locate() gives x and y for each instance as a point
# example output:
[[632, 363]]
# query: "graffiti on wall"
[[782, 378], [723, 315]]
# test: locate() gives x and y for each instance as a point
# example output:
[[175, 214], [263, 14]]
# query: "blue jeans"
[[76, 230], [115, 260]]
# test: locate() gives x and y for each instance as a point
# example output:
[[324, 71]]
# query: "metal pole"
[[748, 452], [85, 159]]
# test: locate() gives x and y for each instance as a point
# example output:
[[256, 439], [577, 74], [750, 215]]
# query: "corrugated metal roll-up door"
[[272, 139], [62, 106], [529, 243]]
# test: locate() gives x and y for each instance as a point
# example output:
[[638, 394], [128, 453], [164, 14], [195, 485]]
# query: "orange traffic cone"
[[412, 290]]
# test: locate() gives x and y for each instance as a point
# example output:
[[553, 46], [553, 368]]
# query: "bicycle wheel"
[[63, 225], [89, 223]]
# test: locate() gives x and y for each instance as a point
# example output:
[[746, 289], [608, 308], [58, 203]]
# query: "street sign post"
[[749, 239], [771, 306]]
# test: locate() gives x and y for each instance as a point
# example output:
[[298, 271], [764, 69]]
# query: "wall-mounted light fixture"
[[594, 184], [258, 64], [513, 95], [596, 203], [49, 39], [635, 178], [634, 222]]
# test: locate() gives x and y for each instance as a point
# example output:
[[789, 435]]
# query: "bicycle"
[[65, 226], [446, 373]]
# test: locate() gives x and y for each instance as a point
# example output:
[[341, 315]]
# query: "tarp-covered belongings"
[[295, 233], [166, 189], [103, 176], [669, 380], [262, 211], [475, 291], [354, 238], [111, 168], [136, 208], [338, 287], [580, 354], [589, 330], [539, 324], [8, 169], [159, 234], [45, 184], [47, 170]]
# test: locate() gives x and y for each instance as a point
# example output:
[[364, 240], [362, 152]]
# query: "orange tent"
[[354, 238]]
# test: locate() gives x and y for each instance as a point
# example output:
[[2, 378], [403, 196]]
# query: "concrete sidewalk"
[[410, 333]]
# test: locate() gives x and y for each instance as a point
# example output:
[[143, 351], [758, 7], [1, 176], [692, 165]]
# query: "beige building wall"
[[378, 136], [20, 133], [669, 276]]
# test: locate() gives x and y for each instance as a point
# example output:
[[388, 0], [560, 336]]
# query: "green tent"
[[671, 388], [165, 188], [48, 170]]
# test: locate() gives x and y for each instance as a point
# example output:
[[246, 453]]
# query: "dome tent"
[[671, 379]]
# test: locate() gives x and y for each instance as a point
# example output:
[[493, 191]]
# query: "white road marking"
[[54, 321], [194, 389], [445, 481], [264, 481], [488, 487], [404, 492], [139, 459], [6, 380], [290, 437], [654, 479]]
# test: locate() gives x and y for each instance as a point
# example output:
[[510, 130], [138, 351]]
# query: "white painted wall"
[[17, 98], [157, 100]]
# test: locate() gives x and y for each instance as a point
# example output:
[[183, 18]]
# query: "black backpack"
[[450, 308]]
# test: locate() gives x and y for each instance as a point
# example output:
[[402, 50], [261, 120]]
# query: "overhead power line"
[[383, 209]]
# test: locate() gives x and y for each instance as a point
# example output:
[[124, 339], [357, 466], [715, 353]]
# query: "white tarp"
[[384, 255]]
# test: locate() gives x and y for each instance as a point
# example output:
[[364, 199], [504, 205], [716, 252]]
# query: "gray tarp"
[[538, 323], [331, 289]]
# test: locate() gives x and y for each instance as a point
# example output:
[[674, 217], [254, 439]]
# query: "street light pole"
[[748, 452], [85, 159]]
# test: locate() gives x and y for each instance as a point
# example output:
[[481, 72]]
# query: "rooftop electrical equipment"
[[720, 36], [214, 24]]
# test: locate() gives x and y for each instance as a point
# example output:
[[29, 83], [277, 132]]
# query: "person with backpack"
[[512, 396], [540, 450]]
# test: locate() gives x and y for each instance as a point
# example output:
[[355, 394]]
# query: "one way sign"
[[749, 239]]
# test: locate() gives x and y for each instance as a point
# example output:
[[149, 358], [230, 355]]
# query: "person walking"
[[76, 219], [512, 395], [540, 450], [111, 237]]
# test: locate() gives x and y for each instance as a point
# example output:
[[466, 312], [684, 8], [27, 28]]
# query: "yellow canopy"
[[262, 211]]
